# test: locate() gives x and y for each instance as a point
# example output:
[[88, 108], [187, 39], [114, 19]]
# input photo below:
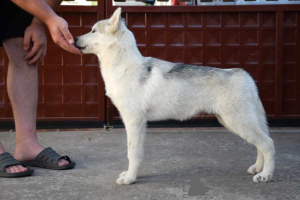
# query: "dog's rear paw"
[[124, 179], [254, 169], [261, 177]]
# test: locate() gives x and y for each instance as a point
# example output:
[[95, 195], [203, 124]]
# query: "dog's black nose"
[[76, 39]]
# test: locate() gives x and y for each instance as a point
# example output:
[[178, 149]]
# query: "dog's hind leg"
[[259, 164], [248, 128], [136, 131], [221, 121], [265, 145]]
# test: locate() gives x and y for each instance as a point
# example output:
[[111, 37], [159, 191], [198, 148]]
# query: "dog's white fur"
[[148, 89]]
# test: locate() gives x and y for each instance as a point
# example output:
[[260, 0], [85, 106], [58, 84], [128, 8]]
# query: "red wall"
[[264, 40]]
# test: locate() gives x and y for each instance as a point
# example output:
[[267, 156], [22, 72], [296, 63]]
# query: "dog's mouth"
[[79, 47]]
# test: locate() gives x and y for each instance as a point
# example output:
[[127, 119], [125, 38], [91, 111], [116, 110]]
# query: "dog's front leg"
[[136, 131]]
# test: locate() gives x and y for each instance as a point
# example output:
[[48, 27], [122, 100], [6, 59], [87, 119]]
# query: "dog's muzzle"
[[77, 46]]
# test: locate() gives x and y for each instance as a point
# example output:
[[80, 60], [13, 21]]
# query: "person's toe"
[[16, 169], [13, 169], [7, 169], [19, 169], [22, 168], [62, 162]]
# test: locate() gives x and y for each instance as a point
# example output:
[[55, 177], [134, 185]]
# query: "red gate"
[[264, 40]]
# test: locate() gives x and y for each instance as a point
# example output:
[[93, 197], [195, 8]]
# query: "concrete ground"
[[179, 164]]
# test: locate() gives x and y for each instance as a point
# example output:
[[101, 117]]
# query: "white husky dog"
[[148, 89]]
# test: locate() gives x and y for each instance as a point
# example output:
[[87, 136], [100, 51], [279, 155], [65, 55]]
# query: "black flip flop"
[[48, 159], [7, 160]]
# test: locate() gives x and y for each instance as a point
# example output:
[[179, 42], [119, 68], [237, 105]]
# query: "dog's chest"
[[119, 86]]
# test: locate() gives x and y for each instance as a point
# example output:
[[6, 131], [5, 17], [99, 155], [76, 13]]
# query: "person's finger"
[[37, 58], [66, 33], [64, 44], [26, 41], [35, 50], [74, 49], [45, 51]]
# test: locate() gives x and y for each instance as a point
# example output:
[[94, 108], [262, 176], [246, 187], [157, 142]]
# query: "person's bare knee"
[[15, 52]]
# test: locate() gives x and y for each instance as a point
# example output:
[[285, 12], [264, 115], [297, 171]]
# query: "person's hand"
[[35, 43], [60, 34]]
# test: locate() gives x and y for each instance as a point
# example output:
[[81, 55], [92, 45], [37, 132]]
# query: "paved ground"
[[179, 164]]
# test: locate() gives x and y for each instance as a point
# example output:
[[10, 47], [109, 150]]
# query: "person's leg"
[[22, 86], [1, 148]]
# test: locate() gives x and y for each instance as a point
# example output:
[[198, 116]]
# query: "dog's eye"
[[93, 31]]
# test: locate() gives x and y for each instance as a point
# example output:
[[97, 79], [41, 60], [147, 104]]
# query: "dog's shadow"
[[183, 175]]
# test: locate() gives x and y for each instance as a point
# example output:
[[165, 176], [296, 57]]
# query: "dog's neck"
[[119, 61], [119, 54]]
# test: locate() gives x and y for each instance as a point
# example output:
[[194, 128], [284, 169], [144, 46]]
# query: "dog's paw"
[[254, 169], [125, 179], [261, 177], [123, 174]]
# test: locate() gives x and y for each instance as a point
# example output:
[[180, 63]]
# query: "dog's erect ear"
[[114, 22]]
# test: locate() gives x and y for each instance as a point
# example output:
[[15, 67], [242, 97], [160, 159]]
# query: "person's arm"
[[35, 41], [57, 26], [38, 8], [54, 4]]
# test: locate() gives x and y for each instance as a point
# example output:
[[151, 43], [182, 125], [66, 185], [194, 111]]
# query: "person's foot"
[[14, 168], [27, 153]]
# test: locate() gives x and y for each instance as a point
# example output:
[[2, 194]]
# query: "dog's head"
[[103, 34]]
